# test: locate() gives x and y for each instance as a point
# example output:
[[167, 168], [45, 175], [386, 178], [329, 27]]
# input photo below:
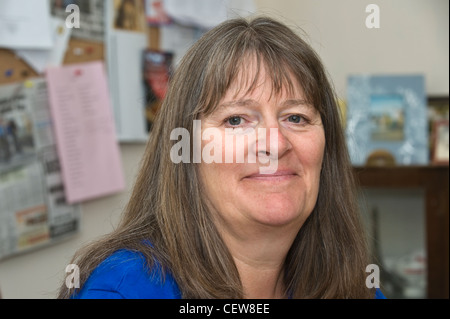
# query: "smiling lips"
[[280, 175]]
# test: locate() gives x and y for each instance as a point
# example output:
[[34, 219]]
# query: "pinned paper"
[[124, 62], [25, 24], [85, 131], [39, 60], [207, 14], [201, 13]]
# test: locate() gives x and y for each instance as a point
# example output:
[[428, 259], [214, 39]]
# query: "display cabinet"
[[434, 181]]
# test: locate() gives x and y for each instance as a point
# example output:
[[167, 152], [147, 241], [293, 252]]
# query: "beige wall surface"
[[413, 38]]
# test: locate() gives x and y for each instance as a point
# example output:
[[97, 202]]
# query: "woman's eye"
[[234, 120], [294, 118]]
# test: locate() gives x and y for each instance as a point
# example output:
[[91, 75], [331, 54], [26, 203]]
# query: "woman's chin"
[[271, 213]]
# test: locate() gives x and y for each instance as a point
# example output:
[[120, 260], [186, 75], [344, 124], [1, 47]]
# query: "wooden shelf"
[[435, 181]]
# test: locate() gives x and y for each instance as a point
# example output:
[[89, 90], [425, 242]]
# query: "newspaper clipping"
[[33, 209]]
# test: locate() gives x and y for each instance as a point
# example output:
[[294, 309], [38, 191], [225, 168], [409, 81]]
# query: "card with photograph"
[[157, 68], [388, 113]]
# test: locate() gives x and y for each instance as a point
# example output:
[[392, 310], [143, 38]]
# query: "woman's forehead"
[[253, 73], [254, 80]]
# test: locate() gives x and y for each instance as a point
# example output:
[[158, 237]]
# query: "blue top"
[[124, 275]]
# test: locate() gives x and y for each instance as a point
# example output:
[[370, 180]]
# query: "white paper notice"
[[207, 13], [201, 13], [40, 59], [25, 24], [125, 44], [85, 132]]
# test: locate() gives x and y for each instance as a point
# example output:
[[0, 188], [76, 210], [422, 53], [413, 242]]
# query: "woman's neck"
[[259, 258], [260, 281]]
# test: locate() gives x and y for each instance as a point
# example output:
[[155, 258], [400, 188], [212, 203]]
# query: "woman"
[[221, 229]]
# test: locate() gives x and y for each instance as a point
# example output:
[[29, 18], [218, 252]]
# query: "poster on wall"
[[157, 69]]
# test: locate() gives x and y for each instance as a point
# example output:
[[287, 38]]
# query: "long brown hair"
[[329, 255]]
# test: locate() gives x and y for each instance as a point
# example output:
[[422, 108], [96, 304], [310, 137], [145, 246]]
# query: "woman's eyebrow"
[[251, 102], [246, 102], [295, 102]]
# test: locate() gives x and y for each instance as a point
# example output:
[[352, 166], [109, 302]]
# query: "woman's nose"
[[271, 141]]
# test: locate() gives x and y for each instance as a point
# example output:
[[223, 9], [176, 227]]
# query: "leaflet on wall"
[[84, 131], [40, 59], [33, 208], [182, 23], [25, 24], [206, 14]]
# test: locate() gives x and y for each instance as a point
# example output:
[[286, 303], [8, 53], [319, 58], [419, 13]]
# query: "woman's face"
[[241, 193]]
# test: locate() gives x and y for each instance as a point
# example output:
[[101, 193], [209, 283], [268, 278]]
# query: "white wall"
[[413, 38]]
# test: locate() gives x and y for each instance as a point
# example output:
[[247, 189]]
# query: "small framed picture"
[[440, 148], [387, 113], [438, 110]]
